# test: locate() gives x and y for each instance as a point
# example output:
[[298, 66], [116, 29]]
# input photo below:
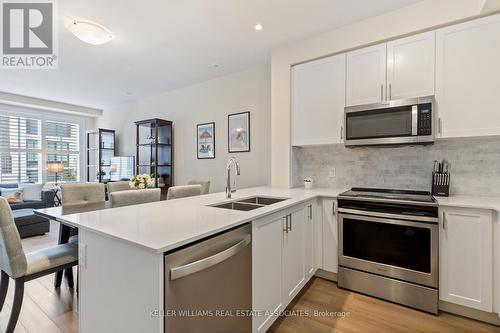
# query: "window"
[[6, 163], [63, 147], [28, 144]]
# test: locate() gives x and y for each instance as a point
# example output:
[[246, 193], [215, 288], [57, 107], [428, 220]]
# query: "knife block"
[[441, 184]]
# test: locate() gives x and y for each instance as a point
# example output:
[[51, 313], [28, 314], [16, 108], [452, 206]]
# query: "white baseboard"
[[487, 317]]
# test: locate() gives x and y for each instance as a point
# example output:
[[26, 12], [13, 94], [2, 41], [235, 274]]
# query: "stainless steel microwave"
[[408, 121]]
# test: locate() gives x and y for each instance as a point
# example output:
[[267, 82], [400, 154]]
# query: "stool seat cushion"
[[51, 257]]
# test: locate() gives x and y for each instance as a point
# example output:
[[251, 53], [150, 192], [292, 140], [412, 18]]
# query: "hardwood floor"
[[48, 310], [358, 313]]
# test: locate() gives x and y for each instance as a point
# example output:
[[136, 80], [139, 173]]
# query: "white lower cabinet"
[[293, 254], [330, 235], [310, 226], [267, 255], [466, 257], [282, 261]]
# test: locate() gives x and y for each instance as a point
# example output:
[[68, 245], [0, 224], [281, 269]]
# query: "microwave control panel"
[[425, 119]]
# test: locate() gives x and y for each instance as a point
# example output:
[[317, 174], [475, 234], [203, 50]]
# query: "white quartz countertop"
[[165, 225], [465, 201]]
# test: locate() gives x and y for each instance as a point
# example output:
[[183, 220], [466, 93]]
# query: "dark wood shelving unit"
[[155, 151], [100, 149]]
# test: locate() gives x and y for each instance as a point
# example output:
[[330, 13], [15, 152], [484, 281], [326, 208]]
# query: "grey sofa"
[[29, 224]]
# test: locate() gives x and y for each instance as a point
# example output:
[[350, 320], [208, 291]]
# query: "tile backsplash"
[[475, 165]]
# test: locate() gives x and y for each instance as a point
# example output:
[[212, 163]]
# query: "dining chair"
[[73, 195], [82, 193], [205, 185], [177, 192], [23, 267], [134, 197], [118, 186]]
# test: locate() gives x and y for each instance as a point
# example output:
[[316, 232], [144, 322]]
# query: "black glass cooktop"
[[406, 195]]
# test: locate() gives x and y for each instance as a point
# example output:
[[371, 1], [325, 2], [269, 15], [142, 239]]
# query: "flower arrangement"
[[141, 181]]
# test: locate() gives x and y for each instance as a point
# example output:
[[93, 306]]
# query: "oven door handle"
[[389, 216]]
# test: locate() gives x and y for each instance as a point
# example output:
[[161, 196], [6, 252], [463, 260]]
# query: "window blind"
[[20, 149], [62, 141], [28, 144]]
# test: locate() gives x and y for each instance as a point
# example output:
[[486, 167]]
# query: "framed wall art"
[[239, 132], [205, 140]]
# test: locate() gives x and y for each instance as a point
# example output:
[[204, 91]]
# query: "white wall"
[[208, 101], [421, 16]]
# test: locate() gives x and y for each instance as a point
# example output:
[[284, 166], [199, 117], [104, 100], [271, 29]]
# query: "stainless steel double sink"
[[249, 203]]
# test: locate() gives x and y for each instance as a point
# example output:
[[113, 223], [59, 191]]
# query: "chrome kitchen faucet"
[[229, 189]]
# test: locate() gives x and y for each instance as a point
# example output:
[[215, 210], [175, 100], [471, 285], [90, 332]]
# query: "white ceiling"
[[162, 45]]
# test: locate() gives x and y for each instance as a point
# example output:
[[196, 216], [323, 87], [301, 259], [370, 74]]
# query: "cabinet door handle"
[[310, 212], [381, 92], [333, 208], [440, 126], [285, 229], [444, 221], [341, 133], [390, 91], [291, 222]]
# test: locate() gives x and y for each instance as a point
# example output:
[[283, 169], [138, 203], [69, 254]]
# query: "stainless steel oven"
[[387, 245], [395, 122]]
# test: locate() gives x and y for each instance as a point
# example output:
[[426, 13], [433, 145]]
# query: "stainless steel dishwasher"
[[208, 285]]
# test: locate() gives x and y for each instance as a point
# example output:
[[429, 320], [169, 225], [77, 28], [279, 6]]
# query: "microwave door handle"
[[414, 120]]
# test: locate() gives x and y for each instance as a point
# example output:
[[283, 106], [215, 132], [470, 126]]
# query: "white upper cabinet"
[[468, 78], [366, 75], [410, 66], [466, 258], [318, 101]]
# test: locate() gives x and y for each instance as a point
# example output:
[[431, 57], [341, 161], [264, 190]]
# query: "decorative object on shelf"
[[100, 151], [308, 183], [239, 132], [205, 139], [56, 168], [157, 178], [154, 151], [141, 181]]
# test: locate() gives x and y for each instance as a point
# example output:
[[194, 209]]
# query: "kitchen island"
[[122, 251]]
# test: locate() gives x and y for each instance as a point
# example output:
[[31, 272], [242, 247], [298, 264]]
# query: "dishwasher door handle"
[[199, 265]]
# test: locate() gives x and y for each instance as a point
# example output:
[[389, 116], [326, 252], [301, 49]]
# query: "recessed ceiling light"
[[216, 65], [90, 32], [258, 27]]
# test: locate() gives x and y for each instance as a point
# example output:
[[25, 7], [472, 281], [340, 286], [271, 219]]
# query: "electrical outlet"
[[332, 173]]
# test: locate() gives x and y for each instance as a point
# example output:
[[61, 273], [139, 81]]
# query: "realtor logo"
[[28, 35]]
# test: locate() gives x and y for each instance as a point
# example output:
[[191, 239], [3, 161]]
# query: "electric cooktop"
[[388, 194]]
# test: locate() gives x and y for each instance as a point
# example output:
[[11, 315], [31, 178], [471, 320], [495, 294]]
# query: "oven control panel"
[[425, 119]]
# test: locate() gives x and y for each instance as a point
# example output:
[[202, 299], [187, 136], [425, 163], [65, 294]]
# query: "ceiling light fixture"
[[90, 32], [258, 27]]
